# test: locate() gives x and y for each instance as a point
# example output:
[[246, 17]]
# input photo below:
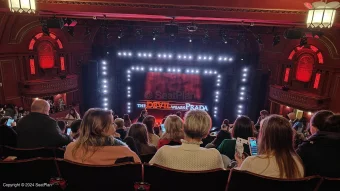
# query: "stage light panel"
[[204, 58], [244, 75], [104, 63], [199, 58], [119, 53], [124, 53], [159, 55], [105, 99], [243, 80], [128, 71], [129, 103], [245, 69], [190, 57], [210, 58], [128, 88], [240, 106], [104, 73], [130, 54], [242, 93], [150, 55], [217, 84]]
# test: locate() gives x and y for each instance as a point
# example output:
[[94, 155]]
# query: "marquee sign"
[[165, 105]]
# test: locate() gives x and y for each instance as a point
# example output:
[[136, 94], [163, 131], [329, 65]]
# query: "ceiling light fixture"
[[321, 14]]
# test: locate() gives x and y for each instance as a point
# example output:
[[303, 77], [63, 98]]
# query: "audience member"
[[222, 134], [263, 114], [115, 117], [142, 115], [37, 129], [62, 126], [149, 122], [190, 156], [301, 125], [75, 126], [292, 118], [243, 128], [140, 135], [96, 144], [131, 144], [127, 121], [72, 115], [173, 131], [8, 136], [179, 114], [276, 158], [321, 152], [120, 127]]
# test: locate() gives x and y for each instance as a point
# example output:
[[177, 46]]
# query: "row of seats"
[[73, 176], [22, 153]]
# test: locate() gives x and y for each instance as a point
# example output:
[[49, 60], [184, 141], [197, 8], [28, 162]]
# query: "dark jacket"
[[8, 136], [321, 154], [39, 130]]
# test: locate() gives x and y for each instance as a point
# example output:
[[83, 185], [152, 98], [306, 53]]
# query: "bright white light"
[[210, 72], [244, 75], [241, 98], [190, 57], [154, 38], [204, 58], [243, 80], [119, 54], [190, 40], [215, 112], [130, 54], [216, 96], [185, 57], [215, 72], [219, 59], [104, 81], [217, 84], [105, 108], [128, 71], [156, 69], [150, 55], [219, 76], [105, 104], [218, 80], [241, 58], [129, 95], [243, 88], [216, 100], [210, 58], [132, 68], [160, 69], [225, 59], [238, 115], [174, 70], [187, 71], [137, 68], [105, 91], [215, 108], [104, 63], [129, 103], [205, 71], [144, 54], [170, 55], [164, 55], [151, 69], [240, 106], [217, 92], [159, 55], [178, 70], [104, 73], [105, 99], [197, 71], [128, 79], [245, 69], [240, 111], [199, 58], [169, 70], [142, 68], [192, 71], [128, 88], [230, 59], [139, 54], [124, 53], [104, 67], [128, 92], [242, 93], [129, 107], [214, 115], [179, 56]]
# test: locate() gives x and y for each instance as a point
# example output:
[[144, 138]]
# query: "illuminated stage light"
[[137, 68], [185, 57], [105, 91], [215, 72], [230, 59], [164, 55], [244, 75], [151, 69], [129, 103], [178, 70], [169, 70], [210, 72], [243, 88], [245, 69], [104, 63], [239, 111], [179, 56], [142, 68], [105, 104], [104, 73], [150, 55], [129, 111], [119, 53], [242, 93], [128, 95], [217, 84], [170, 55], [243, 80], [199, 58], [197, 71], [124, 53], [241, 98], [238, 115], [219, 76], [130, 54], [156, 69], [159, 55], [190, 57], [217, 92], [218, 80], [174, 70], [192, 71], [205, 72], [160, 69], [128, 92], [214, 115], [210, 58], [132, 68], [215, 108], [215, 112], [216, 96], [240, 106], [104, 67], [128, 71], [129, 107], [139, 54], [216, 100], [225, 59], [187, 71], [241, 58], [204, 58], [128, 79], [128, 88], [104, 81], [105, 108], [105, 99]]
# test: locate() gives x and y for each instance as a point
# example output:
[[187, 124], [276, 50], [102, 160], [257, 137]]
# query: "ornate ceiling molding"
[[177, 7]]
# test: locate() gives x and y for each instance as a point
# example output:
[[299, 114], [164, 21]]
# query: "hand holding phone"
[[9, 122], [252, 146], [68, 132]]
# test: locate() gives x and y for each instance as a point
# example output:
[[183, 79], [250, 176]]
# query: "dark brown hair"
[[276, 139], [149, 122], [319, 118], [243, 128], [332, 124], [139, 134]]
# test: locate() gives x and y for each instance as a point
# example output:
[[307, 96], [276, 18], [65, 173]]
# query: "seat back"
[[330, 184], [28, 153], [165, 179], [59, 153], [243, 180], [146, 158], [94, 177], [36, 170]]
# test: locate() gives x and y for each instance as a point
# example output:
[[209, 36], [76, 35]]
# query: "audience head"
[[317, 121], [173, 128], [264, 113], [119, 122], [291, 116], [225, 125], [96, 129], [115, 117], [243, 128], [276, 139], [40, 106], [72, 111], [75, 125], [139, 133], [143, 113], [149, 122], [179, 114], [197, 124], [126, 117], [62, 126], [332, 124]]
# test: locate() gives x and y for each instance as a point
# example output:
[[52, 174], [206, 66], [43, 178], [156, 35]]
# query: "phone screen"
[[68, 132], [253, 146], [9, 122], [163, 127]]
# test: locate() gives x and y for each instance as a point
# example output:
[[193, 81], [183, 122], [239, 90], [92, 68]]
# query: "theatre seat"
[[36, 170], [330, 184], [242, 180], [165, 179], [93, 177], [28, 153], [146, 158]]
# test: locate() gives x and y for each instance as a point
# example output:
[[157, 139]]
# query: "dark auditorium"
[[161, 95]]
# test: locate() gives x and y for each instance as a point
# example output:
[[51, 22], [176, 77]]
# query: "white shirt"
[[266, 166], [153, 139], [189, 157]]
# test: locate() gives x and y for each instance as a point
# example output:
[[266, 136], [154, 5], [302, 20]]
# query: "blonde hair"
[[93, 132], [173, 128], [197, 124], [119, 122]]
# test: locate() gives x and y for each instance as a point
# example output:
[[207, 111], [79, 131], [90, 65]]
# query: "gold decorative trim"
[[169, 6]]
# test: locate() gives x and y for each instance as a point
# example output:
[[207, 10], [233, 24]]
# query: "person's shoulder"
[[117, 142]]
